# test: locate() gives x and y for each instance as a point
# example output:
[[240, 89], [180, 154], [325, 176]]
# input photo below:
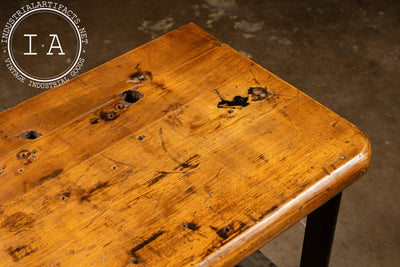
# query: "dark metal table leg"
[[319, 234]]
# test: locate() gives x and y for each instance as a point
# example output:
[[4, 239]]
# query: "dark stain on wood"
[[94, 191], [227, 231], [50, 176], [146, 242], [268, 211], [174, 120], [261, 157], [19, 221], [161, 86], [108, 115], [158, 177], [237, 102], [107, 244], [26, 155], [20, 252], [283, 113], [190, 163], [272, 209], [251, 217], [94, 120], [172, 107], [326, 171], [253, 94], [192, 226], [160, 132], [29, 161], [224, 232], [134, 250], [190, 190], [210, 251]]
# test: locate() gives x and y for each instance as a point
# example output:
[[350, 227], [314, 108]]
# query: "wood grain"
[[198, 172]]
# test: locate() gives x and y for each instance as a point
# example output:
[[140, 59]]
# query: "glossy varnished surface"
[[193, 173]]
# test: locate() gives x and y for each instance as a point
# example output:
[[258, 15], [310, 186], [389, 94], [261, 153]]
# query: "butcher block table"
[[182, 152]]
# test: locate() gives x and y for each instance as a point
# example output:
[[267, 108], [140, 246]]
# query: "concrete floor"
[[345, 54]]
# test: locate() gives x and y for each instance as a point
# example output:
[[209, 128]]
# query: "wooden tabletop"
[[182, 152]]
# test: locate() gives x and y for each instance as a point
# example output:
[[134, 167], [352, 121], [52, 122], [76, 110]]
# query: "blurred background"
[[344, 54]]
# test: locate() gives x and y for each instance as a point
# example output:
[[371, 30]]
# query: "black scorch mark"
[[253, 94], [237, 101]]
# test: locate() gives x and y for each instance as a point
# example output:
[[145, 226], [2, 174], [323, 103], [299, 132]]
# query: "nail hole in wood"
[[134, 260], [114, 167], [140, 76], [184, 225], [94, 120], [2, 167], [119, 106], [227, 229], [130, 96], [108, 116], [141, 137], [65, 195], [30, 135], [21, 170], [23, 154]]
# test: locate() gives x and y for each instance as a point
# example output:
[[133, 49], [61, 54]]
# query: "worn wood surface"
[[199, 172]]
